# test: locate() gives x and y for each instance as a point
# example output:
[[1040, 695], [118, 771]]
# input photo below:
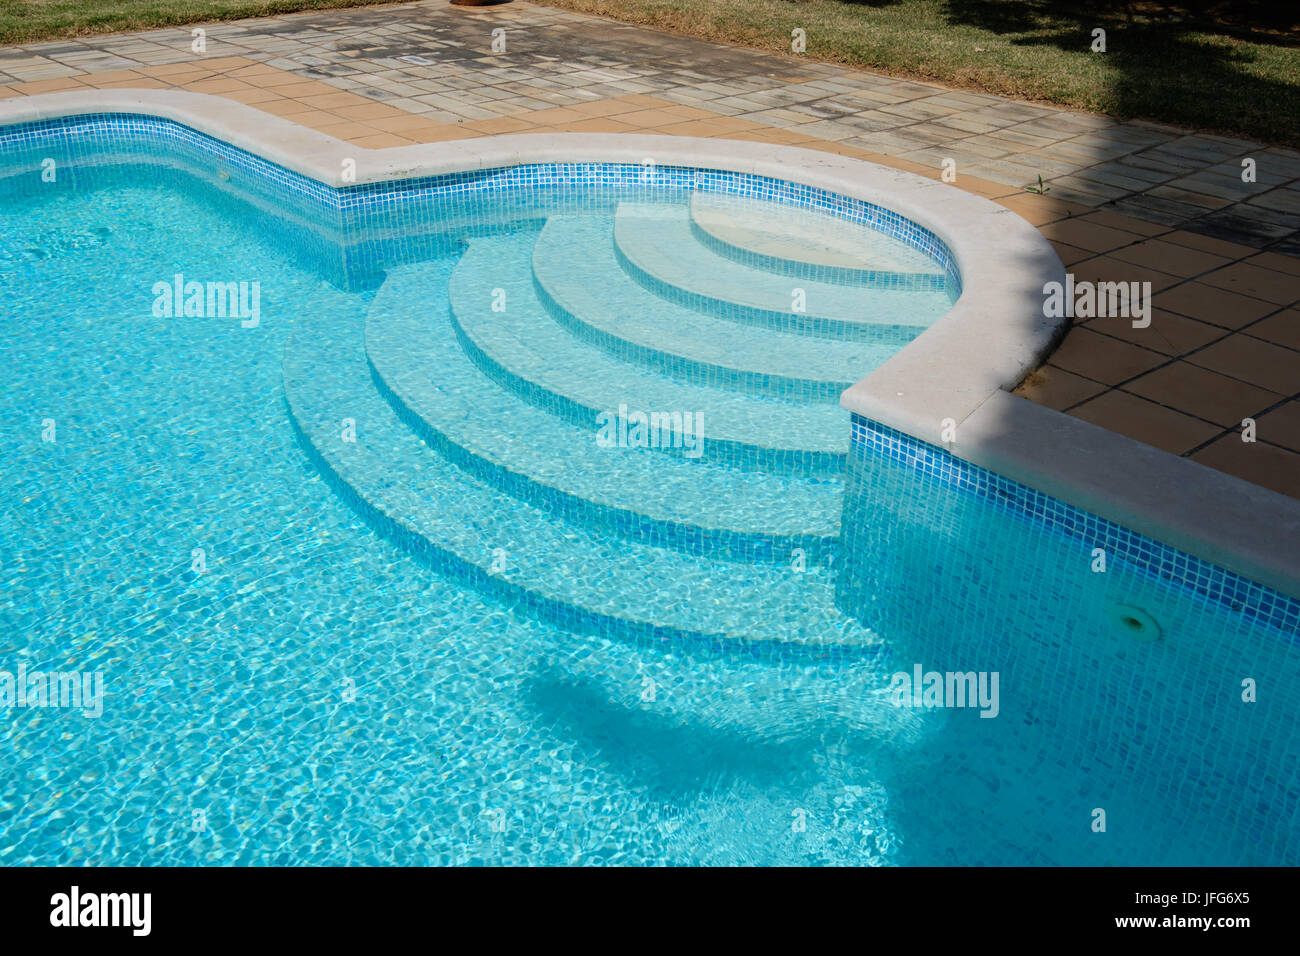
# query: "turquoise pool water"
[[436, 620]]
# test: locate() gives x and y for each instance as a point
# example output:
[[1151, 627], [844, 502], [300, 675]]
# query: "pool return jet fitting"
[[1135, 623]]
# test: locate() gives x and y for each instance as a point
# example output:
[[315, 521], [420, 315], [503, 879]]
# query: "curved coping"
[[949, 387]]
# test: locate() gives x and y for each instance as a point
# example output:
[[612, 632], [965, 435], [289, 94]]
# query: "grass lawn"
[[1227, 65]]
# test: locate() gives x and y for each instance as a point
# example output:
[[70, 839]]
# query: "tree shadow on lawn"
[[1181, 61]]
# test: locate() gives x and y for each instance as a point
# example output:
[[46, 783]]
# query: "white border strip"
[[960, 368]]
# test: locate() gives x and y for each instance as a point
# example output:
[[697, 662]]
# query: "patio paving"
[[1131, 201]]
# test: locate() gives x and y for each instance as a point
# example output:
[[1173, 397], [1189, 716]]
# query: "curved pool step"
[[553, 464], [583, 286], [656, 247], [808, 243], [521, 348], [527, 557]]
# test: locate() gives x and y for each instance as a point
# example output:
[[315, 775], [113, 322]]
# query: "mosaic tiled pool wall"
[[376, 225], [930, 542]]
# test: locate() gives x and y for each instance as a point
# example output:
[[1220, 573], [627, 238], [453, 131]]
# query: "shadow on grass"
[[1180, 61]]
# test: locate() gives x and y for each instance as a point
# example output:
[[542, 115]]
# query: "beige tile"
[[1146, 421], [1040, 210], [1203, 393]]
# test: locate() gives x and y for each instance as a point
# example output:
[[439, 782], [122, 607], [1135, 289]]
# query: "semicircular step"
[[655, 245], [508, 334], [580, 281], [494, 434], [528, 557], [807, 242]]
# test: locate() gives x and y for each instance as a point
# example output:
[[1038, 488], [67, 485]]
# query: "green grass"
[[1231, 66], [26, 21]]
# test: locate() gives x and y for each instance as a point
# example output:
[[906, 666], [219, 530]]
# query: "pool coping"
[[950, 387]]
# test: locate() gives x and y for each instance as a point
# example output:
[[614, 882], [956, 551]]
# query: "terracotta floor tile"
[[349, 130], [1261, 283], [1040, 210], [1169, 333], [609, 107], [709, 127], [1277, 262], [222, 64], [217, 85], [175, 69], [985, 187], [438, 133], [505, 124], [649, 119], [1219, 247], [1114, 220], [286, 108], [1216, 306], [1257, 462], [314, 119], [50, 86], [276, 80], [1112, 268], [1102, 358], [408, 124], [557, 116], [1070, 255], [368, 111], [600, 124], [381, 141], [1200, 392], [1282, 328], [304, 88], [111, 76], [1057, 388], [1264, 364], [1146, 421], [335, 101], [1280, 426], [254, 97], [144, 83], [1087, 235], [1172, 259]]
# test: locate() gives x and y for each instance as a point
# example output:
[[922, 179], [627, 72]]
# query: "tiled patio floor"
[[1127, 201]]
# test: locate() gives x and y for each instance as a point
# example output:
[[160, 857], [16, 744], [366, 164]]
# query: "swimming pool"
[[371, 580]]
